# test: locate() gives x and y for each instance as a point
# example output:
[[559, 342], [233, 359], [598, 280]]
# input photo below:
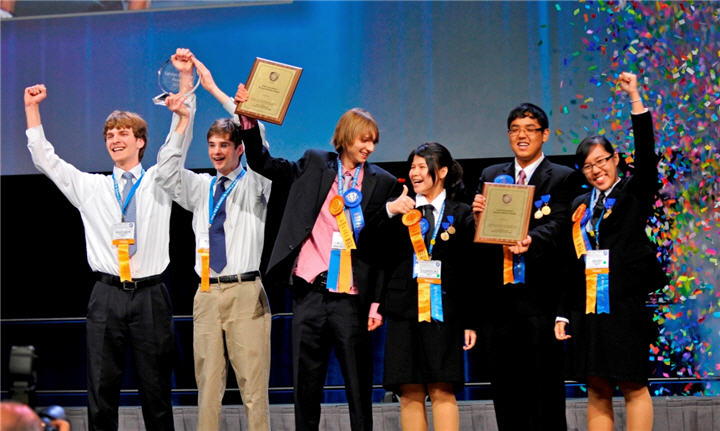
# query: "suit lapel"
[[368, 184], [328, 175], [450, 210], [541, 175]]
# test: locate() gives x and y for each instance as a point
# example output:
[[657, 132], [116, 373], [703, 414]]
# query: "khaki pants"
[[240, 313]]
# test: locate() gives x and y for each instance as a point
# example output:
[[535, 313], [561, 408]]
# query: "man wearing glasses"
[[526, 360]]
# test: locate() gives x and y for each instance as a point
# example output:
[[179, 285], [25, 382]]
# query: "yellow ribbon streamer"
[[508, 274], [337, 207], [424, 309], [205, 271], [123, 246], [591, 276]]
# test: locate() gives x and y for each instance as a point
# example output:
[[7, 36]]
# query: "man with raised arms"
[[126, 216]]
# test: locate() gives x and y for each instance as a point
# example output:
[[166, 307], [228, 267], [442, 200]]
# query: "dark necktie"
[[218, 256], [130, 212], [522, 178], [597, 210], [427, 211]]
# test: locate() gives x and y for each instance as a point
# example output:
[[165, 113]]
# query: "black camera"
[[49, 414]]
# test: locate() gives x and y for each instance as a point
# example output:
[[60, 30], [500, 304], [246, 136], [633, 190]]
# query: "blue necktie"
[[130, 212], [218, 256]]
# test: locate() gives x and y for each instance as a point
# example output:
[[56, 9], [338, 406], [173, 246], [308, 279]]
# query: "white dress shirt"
[[94, 196], [437, 203], [245, 205], [529, 169]]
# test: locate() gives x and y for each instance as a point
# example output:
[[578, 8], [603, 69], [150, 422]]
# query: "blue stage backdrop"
[[440, 71]]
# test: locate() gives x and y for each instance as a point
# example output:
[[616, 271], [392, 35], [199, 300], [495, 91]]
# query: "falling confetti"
[[674, 48]]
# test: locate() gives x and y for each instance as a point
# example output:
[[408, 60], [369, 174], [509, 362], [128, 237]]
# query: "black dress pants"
[[527, 374], [140, 320], [323, 320]]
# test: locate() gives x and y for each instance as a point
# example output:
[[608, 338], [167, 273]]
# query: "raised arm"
[[208, 83], [33, 97], [276, 169], [645, 177], [74, 184], [183, 186], [628, 83], [182, 60]]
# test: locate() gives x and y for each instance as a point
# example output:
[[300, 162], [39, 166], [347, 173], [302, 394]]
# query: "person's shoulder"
[[315, 155], [322, 154], [556, 168], [580, 199], [492, 169], [255, 178], [380, 172], [458, 206]]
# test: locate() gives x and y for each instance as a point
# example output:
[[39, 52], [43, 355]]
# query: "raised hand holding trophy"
[[177, 75]]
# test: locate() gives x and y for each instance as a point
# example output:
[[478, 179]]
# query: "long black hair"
[[437, 156]]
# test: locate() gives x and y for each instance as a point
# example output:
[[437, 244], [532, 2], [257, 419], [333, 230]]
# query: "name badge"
[[597, 259], [337, 241], [124, 230], [203, 240], [431, 269]]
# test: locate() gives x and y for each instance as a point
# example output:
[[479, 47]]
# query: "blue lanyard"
[[123, 206], [596, 228], [340, 177], [214, 210]]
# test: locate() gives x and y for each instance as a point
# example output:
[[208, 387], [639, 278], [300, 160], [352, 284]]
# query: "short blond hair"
[[129, 120], [353, 123]]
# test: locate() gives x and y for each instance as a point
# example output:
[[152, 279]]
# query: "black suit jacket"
[[400, 295], [634, 268], [545, 263], [299, 190]]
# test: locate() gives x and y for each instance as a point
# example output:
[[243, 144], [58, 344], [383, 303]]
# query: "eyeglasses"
[[514, 131], [600, 163]]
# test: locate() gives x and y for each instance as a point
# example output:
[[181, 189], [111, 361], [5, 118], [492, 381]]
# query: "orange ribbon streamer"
[[205, 271], [345, 275], [123, 246], [577, 236], [412, 219], [508, 274]]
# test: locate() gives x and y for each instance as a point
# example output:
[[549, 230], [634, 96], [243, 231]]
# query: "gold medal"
[[451, 230], [538, 214], [545, 210], [445, 236], [607, 213]]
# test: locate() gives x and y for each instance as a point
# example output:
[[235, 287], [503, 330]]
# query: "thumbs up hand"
[[402, 204]]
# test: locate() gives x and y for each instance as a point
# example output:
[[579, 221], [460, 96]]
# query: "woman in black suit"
[[615, 269], [428, 317]]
